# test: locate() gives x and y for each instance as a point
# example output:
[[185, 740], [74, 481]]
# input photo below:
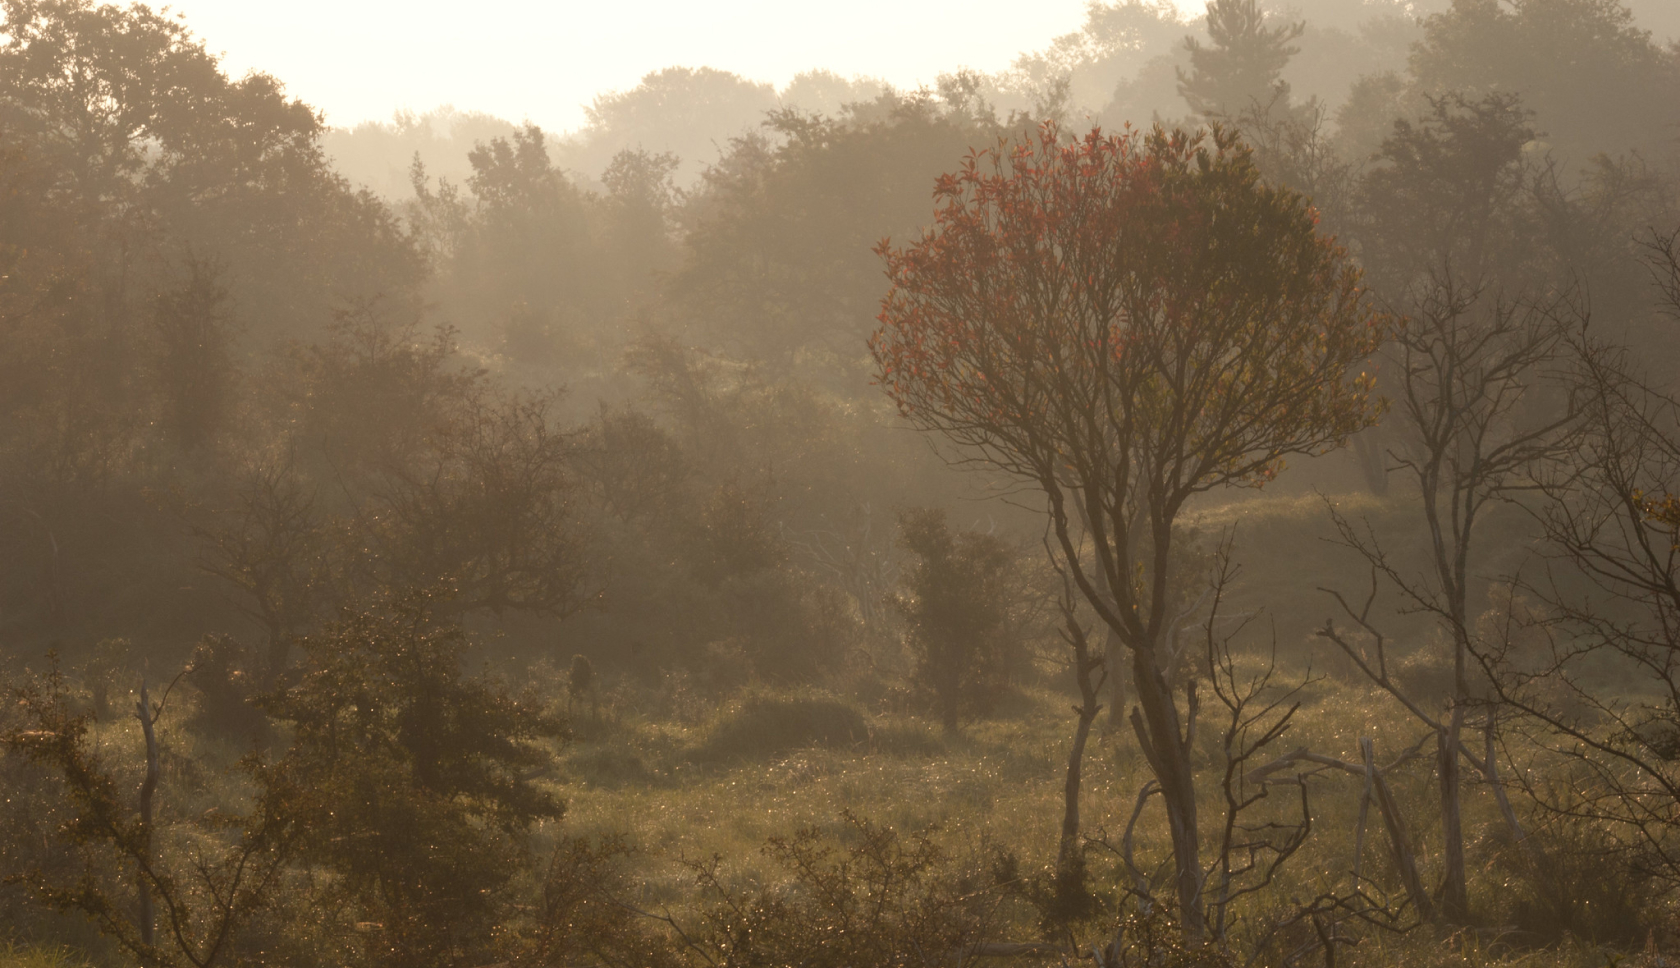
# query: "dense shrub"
[[410, 783], [220, 672], [1568, 885], [956, 606]]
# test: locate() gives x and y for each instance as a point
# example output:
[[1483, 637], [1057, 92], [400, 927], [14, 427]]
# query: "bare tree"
[[1253, 842], [1476, 423], [1258, 832], [271, 544], [190, 911], [862, 560], [486, 511], [1602, 685]]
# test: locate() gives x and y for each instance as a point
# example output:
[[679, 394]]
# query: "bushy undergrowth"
[[866, 895], [652, 802], [1566, 884]]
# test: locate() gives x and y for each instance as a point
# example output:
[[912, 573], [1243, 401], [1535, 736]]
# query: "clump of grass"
[[762, 724], [37, 956]]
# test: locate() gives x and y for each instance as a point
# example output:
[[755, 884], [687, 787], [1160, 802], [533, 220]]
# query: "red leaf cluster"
[[1126, 310]]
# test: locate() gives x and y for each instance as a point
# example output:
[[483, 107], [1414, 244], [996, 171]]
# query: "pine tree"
[[1242, 66]]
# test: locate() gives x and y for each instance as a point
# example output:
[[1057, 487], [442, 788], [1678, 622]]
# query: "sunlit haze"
[[893, 482], [360, 60]]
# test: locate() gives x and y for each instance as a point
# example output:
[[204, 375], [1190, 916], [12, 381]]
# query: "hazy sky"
[[362, 59]]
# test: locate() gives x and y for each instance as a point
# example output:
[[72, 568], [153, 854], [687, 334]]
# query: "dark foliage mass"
[[352, 537]]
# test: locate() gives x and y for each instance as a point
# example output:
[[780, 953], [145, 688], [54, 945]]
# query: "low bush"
[[1572, 886]]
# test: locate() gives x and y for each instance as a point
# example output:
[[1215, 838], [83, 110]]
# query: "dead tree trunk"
[[1376, 782], [1399, 842], [1373, 460]]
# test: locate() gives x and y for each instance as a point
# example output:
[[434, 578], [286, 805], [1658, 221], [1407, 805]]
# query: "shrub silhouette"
[[409, 783]]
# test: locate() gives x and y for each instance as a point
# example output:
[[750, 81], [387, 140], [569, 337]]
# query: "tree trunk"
[[1450, 566], [1067, 853], [1455, 899], [1069, 847], [1373, 460], [1156, 722], [1114, 651], [947, 687], [1072, 894], [948, 711]]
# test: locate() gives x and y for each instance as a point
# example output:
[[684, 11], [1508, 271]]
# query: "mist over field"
[[1203, 494]]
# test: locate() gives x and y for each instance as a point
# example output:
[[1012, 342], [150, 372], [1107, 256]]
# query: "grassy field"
[[726, 785], [686, 777], [767, 763]]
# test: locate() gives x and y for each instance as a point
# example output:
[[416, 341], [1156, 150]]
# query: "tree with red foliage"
[[1126, 322]]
